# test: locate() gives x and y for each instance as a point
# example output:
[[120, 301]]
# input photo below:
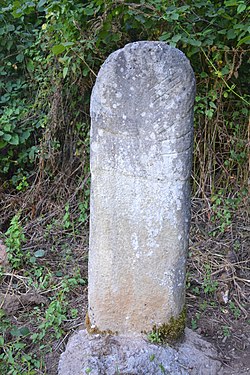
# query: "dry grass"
[[217, 283]]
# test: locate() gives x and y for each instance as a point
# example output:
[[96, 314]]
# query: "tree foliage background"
[[52, 50]]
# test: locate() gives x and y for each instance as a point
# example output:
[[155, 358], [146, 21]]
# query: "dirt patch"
[[218, 288]]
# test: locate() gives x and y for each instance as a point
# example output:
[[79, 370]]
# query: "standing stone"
[[141, 156]]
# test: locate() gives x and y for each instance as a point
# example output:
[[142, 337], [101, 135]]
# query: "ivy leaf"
[[204, 75], [176, 38], [245, 40], [241, 8], [65, 71], [58, 48], [88, 11], [39, 253], [30, 66], [7, 127], [24, 331], [2, 144], [20, 57], [194, 42], [25, 135], [165, 36], [32, 153], [14, 139], [7, 137], [10, 27], [41, 3], [174, 16], [15, 331], [225, 70], [231, 34], [85, 71]]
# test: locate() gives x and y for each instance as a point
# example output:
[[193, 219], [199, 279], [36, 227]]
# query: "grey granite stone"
[[141, 156], [121, 355]]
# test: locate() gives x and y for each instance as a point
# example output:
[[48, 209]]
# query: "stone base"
[[113, 355]]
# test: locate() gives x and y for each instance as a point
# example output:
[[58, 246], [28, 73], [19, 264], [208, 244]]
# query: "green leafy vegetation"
[[54, 51], [39, 298], [14, 240]]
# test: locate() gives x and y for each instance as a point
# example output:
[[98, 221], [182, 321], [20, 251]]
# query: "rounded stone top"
[[148, 56], [153, 51], [145, 86]]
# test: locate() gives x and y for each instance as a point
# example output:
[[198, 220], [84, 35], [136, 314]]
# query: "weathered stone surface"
[[111, 355], [141, 155]]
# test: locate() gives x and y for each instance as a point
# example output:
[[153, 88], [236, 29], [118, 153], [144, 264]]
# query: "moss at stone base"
[[172, 331], [167, 332], [95, 330]]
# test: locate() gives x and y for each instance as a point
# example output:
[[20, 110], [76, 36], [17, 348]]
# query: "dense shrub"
[[52, 51]]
